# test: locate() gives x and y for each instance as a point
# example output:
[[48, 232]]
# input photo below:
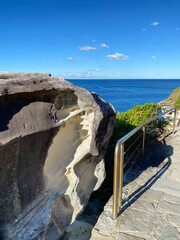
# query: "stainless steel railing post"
[[116, 181], [174, 121], [143, 143], [121, 175]]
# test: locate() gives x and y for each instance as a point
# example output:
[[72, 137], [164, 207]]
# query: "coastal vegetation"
[[177, 102], [127, 121], [175, 91], [175, 96]]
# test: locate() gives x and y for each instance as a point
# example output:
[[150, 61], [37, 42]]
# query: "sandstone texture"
[[53, 137]]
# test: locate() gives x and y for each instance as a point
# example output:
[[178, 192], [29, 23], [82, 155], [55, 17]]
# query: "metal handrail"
[[119, 160]]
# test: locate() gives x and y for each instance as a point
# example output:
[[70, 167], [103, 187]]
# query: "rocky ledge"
[[172, 100], [53, 137]]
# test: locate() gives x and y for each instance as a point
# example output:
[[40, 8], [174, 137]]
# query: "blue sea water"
[[125, 93]]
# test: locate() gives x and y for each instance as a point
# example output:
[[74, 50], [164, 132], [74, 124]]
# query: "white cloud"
[[71, 59], [154, 23], [154, 57], [144, 29], [118, 56], [103, 45], [177, 29], [87, 48], [93, 40], [81, 74]]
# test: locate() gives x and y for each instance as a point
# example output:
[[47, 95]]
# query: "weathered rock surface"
[[53, 137]]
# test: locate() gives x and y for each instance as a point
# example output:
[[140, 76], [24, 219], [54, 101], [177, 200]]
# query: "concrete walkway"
[[151, 198]]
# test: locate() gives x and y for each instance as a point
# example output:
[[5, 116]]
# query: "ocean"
[[123, 94]]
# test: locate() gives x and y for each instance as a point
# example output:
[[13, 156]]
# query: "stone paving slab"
[[174, 220], [124, 236], [151, 201], [167, 232], [167, 186]]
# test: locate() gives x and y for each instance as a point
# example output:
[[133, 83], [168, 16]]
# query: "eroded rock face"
[[53, 137]]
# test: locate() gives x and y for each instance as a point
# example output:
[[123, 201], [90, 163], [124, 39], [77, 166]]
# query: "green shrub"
[[139, 114], [127, 121]]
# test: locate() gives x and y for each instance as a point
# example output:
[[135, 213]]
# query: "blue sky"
[[91, 38]]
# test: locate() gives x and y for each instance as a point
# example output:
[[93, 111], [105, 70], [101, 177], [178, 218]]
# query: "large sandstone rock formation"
[[53, 137]]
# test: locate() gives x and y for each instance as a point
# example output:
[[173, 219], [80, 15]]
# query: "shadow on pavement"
[[154, 157]]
